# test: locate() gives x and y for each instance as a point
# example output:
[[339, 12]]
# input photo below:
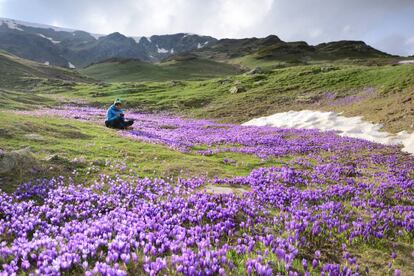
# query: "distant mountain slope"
[[19, 73], [72, 48], [183, 67], [272, 48]]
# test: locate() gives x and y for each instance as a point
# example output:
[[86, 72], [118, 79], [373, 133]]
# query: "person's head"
[[118, 103]]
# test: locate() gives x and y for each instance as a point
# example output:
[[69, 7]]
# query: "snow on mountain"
[[49, 38], [71, 65], [96, 36], [137, 38], [13, 24], [161, 50], [79, 48], [199, 45]]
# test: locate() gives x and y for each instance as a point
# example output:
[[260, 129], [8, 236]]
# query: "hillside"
[[382, 94], [18, 73], [183, 67], [273, 52]]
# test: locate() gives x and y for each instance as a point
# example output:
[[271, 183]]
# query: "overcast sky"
[[385, 24]]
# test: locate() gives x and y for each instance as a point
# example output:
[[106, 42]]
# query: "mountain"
[[272, 48], [73, 48], [180, 67]]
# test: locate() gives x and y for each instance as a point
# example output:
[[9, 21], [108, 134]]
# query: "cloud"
[[374, 21]]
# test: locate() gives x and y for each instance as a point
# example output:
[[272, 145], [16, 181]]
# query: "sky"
[[387, 25]]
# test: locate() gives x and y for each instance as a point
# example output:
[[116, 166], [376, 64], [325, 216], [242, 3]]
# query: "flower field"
[[340, 206]]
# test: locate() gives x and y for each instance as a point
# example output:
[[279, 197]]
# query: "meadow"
[[191, 191], [321, 203]]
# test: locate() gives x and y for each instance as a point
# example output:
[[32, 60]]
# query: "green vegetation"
[[187, 68], [23, 74], [193, 88], [20, 100], [382, 94], [62, 145]]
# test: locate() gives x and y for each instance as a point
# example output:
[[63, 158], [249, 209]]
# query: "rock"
[[406, 100], [174, 83], [217, 189], [237, 89], [34, 136], [254, 71], [78, 161], [306, 99], [16, 160], [223, 81], [99, 162], [53, 157]]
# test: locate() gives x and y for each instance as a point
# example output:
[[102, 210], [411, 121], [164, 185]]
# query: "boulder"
[[16, 160], [79, 161], [174, 83], [34, 136], [237, 89], [254, 71], [224, 81]]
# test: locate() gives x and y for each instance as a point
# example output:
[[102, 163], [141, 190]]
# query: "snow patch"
[[35, 25], [330, 121], [13, 24], [199, 45], [136, 38], [172, 51], [10, 23], [148, 38], [71, 65], [46, 63], [49, 38], [410, 61], [161, 50], [96, 36], [188, 34]]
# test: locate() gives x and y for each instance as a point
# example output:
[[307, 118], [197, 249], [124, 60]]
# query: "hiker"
[[115, 116]]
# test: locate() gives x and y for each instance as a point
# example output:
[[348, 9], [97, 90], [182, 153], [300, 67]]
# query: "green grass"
[[95, 144], [293, 88], [20, 100], [135, 70], [18, 73]]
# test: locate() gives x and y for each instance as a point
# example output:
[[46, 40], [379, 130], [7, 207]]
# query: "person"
[[115, 117]]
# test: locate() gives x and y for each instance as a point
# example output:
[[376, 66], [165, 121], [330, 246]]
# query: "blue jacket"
[[113, 113]]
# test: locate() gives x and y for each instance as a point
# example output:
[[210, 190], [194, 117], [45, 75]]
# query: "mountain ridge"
[[79, 48], [72, 48]]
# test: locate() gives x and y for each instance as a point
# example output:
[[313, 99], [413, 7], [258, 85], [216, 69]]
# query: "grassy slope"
[[71, 139], [299, 87], [22, 74], [134, 70]]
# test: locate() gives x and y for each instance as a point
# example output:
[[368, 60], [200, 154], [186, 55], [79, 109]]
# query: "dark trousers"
[[119, 123]]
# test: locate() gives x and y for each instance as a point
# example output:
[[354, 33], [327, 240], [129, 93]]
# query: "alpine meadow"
[[206, 137]]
